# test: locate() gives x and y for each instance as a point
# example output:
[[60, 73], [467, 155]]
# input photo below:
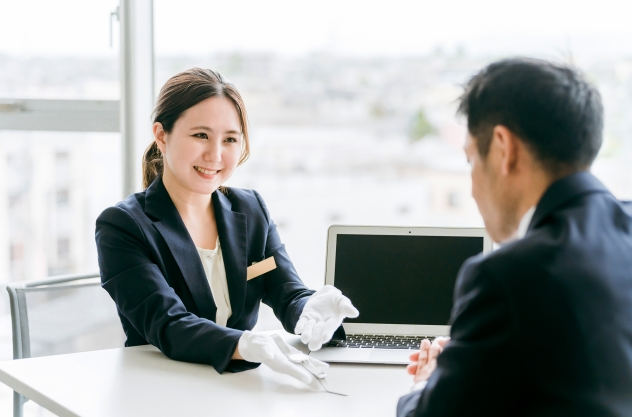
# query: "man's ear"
[[507, 148], [159, 136]]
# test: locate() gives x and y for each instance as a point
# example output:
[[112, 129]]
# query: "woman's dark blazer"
[[152, 270]]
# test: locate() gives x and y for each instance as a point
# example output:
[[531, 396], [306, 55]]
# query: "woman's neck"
[[190, 205]]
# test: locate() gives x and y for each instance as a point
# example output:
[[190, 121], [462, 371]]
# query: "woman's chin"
[[206, 190], [204, 186]]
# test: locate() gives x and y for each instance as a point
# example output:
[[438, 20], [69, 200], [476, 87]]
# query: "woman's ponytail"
[[152, 164]]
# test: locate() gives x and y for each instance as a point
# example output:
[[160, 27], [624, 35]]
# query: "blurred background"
[[351, 105]]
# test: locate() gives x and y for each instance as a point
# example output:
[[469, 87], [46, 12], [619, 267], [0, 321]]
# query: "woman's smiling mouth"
[[206, 171]]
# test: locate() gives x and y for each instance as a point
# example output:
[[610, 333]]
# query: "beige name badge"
[[260, 268]]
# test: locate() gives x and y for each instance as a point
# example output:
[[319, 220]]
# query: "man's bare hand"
[[424, 361]]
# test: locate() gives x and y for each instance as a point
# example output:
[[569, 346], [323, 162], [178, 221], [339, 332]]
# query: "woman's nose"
[[213, 151]]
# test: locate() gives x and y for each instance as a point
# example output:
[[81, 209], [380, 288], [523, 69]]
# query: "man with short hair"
[[543, 325]]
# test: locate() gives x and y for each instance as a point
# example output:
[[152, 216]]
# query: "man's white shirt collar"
[[524, 223]]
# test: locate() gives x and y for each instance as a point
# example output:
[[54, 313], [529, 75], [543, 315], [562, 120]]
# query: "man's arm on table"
[[423, 364], [475, 370]]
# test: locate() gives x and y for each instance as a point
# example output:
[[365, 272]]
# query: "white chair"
[[61, 314]]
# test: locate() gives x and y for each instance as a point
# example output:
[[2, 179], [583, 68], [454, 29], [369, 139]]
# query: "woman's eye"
[[233, 140], [201, 135]]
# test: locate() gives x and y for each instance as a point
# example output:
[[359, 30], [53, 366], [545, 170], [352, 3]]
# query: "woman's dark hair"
[[181, 92], [550, 107]]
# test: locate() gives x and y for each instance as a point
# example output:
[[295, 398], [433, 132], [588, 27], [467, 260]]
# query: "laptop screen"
[[401, 279]]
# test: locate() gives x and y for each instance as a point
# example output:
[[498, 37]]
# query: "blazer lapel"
[[233, 238], [158, 204]]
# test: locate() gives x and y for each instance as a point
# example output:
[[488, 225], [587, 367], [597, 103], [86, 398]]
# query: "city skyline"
[[329, 134]]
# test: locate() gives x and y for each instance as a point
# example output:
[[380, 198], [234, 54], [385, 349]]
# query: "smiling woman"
[[175, 257], [185, 99], [203, 149]]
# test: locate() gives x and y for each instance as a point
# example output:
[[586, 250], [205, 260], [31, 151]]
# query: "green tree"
[[420, 126]]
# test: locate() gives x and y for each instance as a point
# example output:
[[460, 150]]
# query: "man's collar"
[[563, 190], [557, 194]]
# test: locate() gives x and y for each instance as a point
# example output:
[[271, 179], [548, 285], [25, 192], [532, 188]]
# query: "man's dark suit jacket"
[[152, 270], [543, 326]]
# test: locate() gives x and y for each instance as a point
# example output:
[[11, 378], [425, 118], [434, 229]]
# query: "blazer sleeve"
[[476, 370], [407, 404], [143, 296], [284, 291]]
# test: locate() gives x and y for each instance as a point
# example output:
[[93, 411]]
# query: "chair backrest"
[[63, 314]]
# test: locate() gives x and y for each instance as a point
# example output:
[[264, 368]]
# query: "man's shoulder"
[[563, 245], [520, 253], [523, 252], [512, 265]]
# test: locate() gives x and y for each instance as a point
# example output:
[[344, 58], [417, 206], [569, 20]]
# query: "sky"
[[345, 27]]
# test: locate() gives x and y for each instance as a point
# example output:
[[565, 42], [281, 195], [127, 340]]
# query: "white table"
[[141, 381]]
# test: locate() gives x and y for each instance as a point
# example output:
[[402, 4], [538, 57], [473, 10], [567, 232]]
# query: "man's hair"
[[550, 107]]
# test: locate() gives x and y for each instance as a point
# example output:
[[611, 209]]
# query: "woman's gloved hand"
[[261, 348], [322, 315]]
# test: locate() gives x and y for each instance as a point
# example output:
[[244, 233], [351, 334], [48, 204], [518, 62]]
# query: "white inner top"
[[213, 264]]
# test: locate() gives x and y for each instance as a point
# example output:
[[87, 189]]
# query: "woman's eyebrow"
[[232, 132], [202, 128]]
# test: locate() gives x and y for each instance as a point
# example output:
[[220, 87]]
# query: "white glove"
[[322, 315], [258, 347]]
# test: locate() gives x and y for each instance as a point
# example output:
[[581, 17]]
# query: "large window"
[[352, 104], [60, 150], [59, 142], [54, 185]]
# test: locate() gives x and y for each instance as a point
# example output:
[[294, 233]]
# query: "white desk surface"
[[141, 381]]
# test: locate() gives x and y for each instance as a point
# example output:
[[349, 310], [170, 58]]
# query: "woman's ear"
[[160, 136]]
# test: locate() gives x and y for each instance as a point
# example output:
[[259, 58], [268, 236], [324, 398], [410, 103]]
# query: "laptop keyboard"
[[369, 341]]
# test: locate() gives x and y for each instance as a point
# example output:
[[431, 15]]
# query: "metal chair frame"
[[19, 350]]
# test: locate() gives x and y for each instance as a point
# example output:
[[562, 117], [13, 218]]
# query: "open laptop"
[[401, 279]]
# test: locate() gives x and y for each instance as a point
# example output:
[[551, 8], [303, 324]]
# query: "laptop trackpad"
[[390, 355], [332, 354]]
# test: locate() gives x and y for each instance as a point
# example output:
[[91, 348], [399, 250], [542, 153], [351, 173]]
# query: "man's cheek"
[[476, 189], [480, 197]]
